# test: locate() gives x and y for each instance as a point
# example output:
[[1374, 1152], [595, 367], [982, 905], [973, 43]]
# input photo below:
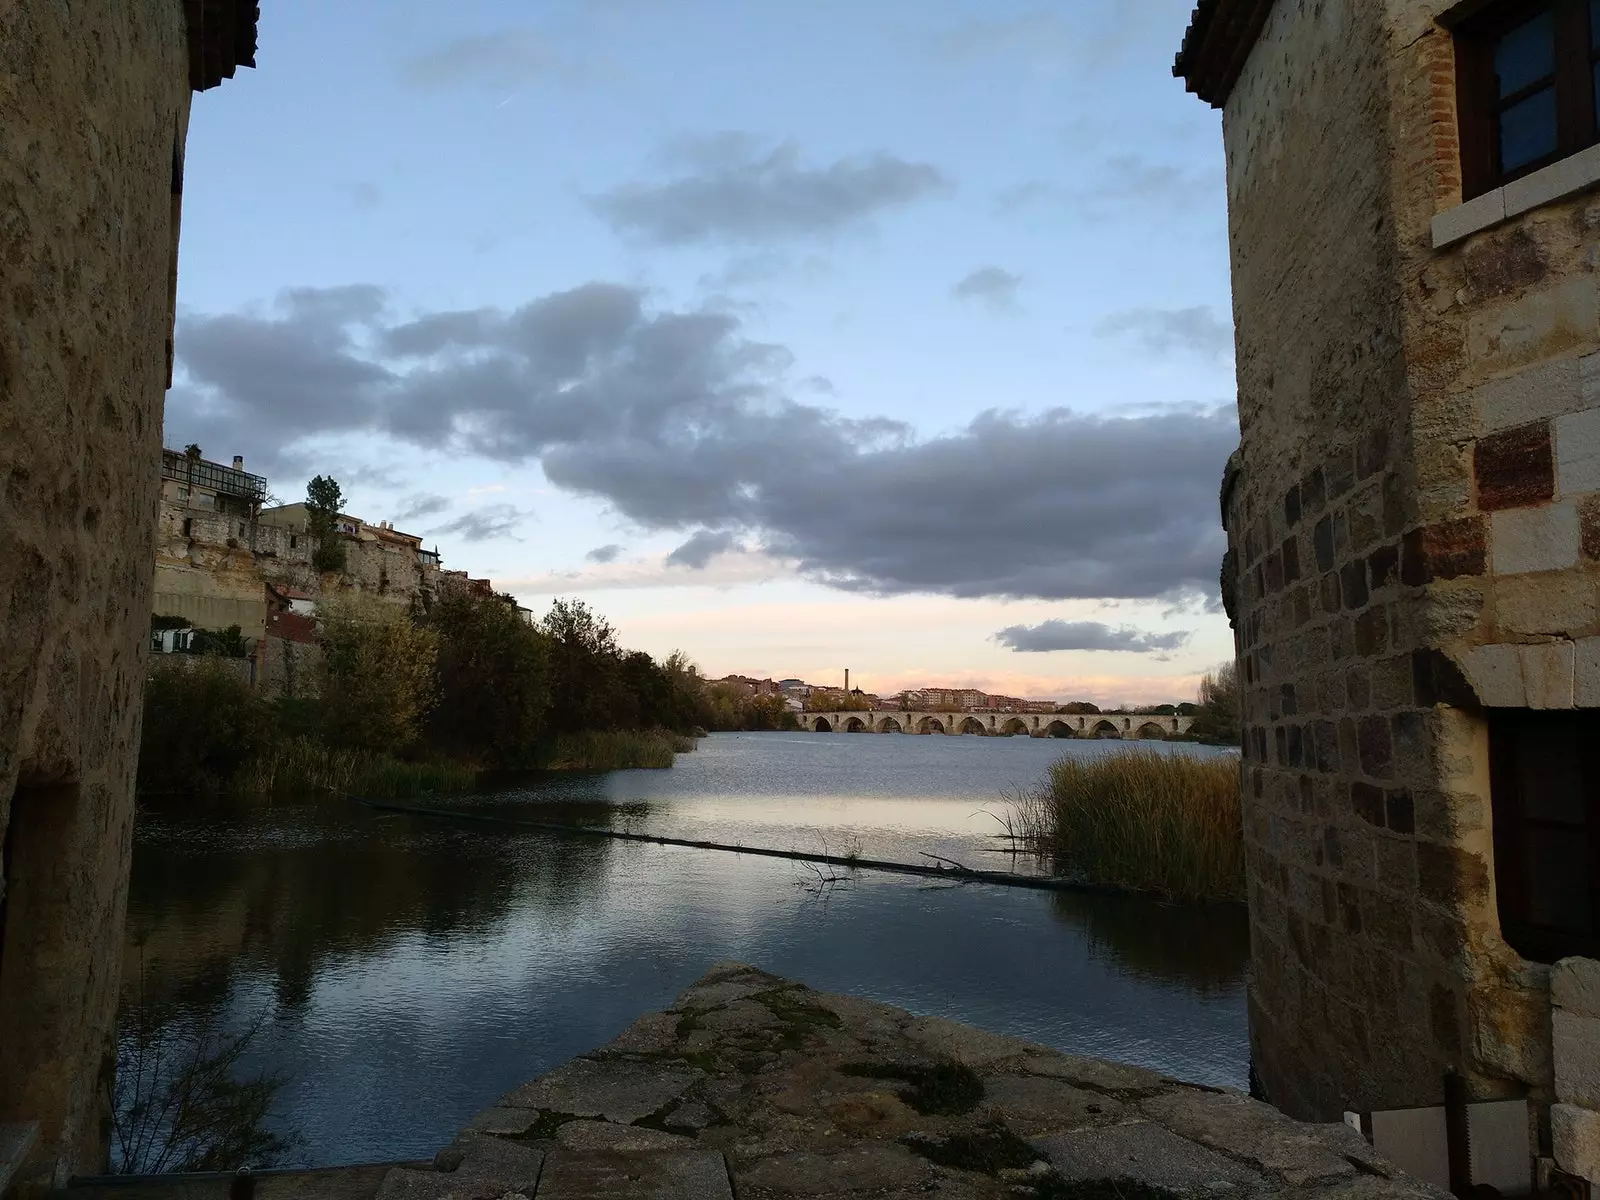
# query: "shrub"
[[376, 675], [202, 722], [1145, 821]]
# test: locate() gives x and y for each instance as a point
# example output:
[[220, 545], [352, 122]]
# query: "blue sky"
[[893, 337]]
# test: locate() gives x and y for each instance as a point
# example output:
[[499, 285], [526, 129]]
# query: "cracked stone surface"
[[755, 1086]]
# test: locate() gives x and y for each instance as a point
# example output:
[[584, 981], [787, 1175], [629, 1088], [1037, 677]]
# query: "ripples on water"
[[412, 969]]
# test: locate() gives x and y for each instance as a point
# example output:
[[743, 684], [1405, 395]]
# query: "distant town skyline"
[[787, 336]]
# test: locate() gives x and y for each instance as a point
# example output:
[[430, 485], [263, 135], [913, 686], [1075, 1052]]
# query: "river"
[[408, 970]]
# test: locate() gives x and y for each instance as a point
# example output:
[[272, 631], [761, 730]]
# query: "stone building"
[[94, 104], [1413, 519]]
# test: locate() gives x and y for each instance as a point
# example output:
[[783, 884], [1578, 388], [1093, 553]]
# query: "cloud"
[[1053, 635], [994, 286], [421, 506], [680, 422], [499, 59], [700, 549], [482, 524], [604, 554], [1196, 330], [1114, 184], [730, 188]]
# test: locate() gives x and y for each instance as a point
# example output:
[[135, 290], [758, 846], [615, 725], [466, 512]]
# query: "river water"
[[405, 971]]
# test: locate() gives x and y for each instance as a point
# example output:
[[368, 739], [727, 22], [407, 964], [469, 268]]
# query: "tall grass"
[[617, 749], [300, 765], [1143, 821]]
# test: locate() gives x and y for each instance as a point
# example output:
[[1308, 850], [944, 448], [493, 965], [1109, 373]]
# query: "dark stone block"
[[1332, 852], [1366, 801], [1349, 908], [1291, 506], [1400, 810], [1291, 559], [1514, 468], [1325, 737], [1328, 592], [1313, 492], [1377, 747], [1296, 750], [1383, 566], [1373, 452], [1443, 1020], [1286, 698], [1449, 876], [1280, 745], [1357, 689], [1448, 550], [1274, 573], [1589, 526], [1435, 679], [1302, 606], [1500, 265], [1372, 632], [1322, 543], [1397, 505], [1353, 583], [1341, 474]]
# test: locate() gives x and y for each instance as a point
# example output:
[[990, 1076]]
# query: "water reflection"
[[413, 969]]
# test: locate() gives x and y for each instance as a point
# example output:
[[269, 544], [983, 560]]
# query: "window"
[[1545, 792], [293, 541], [183, 492], [1526, 75]]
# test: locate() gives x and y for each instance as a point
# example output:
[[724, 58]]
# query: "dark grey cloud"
[[413, 507], [481, 524], [509, 56], [994, 286], [1086, 635], [604, 554], [1195, 330], [700, 549], [732, 188], [680, 422]]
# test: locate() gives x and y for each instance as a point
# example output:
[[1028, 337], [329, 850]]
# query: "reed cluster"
[[617, 749], [1142, 821], [297, 766]]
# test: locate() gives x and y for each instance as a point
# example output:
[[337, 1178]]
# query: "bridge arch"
[[930, 725], [1014, 726], [820, 725], [1106, 729], [972, 725], [890, 725], [1151, 730], [855, 725], [1059, 729]]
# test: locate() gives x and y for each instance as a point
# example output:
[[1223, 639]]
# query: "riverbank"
[[755, 1086]]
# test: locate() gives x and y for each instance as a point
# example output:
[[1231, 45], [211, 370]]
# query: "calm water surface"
[[409, 970]]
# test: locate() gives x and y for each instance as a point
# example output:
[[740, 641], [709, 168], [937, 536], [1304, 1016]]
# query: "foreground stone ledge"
[[754, 1086]]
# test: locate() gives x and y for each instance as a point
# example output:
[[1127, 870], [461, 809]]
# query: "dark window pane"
[[1527, 54], [1594, 24], [1528, 130], [1550, 774], [1558, 880]]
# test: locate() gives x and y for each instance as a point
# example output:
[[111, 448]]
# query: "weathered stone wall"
[[94, 104], [286, 669], [1419, 448]]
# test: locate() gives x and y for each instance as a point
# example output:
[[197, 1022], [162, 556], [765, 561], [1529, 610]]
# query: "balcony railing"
[[199, 472]]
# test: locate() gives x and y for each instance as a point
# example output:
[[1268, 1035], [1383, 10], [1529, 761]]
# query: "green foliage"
[[1144, 821], [729, 706], [201, 723], [494, 680], [376, 676], [301, 765], [323, 500], [159, 622], [837, 701], [616, 749], [1079, 706]]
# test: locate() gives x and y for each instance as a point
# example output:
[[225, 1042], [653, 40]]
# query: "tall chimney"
[[238, 462], [847, 681]]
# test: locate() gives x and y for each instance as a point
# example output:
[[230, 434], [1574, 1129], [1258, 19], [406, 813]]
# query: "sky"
[[798, 336]]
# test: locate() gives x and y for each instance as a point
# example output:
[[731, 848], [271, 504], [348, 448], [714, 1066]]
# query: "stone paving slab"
[[664, 1175], [757, 1086]]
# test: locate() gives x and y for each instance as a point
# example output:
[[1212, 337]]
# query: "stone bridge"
[[999, 724]]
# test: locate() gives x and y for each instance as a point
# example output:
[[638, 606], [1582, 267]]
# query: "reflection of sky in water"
[[416, 972]]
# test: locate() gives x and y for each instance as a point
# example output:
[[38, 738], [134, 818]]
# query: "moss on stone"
[[988, 1150], [799, 1019], [1053, 1187], [545, 1127], [688, 1023], [942, 1089]]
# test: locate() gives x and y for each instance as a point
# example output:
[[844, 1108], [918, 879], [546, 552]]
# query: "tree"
[[377, 675], [323, 500], [493, 679], [585, 669], [1217, 718], [1079, 706], [192, 452]]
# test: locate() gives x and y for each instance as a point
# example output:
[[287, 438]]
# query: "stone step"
[[15, 1142], [635, 1175]]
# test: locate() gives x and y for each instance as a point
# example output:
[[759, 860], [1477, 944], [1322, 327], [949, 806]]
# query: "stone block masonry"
[[1414, 529], [94, 106], [754, 1086]]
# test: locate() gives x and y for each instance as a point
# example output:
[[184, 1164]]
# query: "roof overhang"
[[222, 38], [1220, 37]]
